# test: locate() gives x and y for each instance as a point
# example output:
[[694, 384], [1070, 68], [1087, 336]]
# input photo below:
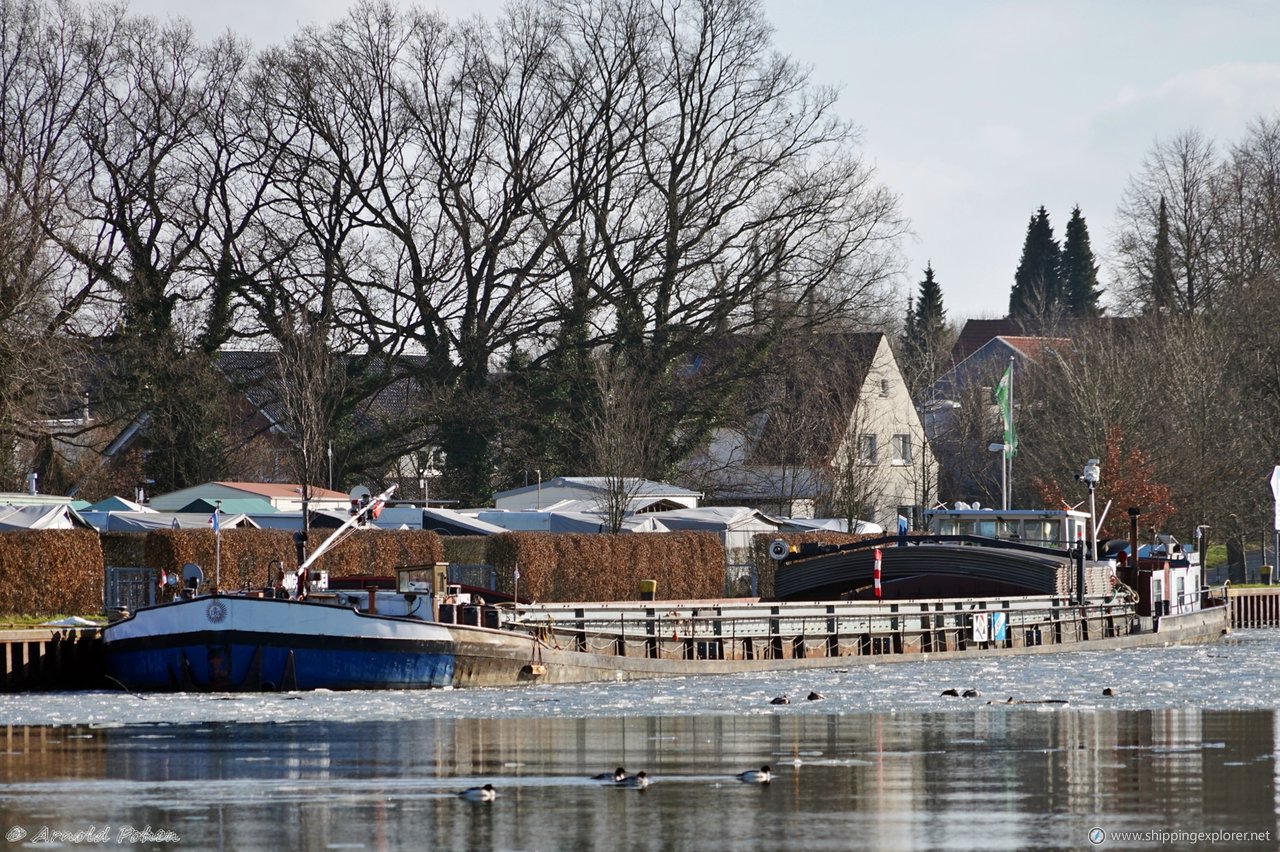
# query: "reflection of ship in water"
[[898, 780]]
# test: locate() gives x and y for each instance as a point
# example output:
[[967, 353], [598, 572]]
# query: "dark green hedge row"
[[46, 572], [595, 567]]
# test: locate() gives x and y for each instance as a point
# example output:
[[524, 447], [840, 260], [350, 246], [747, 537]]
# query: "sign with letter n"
[[981, 627]]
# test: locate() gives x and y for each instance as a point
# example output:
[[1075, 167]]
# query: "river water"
[[1182, 754]]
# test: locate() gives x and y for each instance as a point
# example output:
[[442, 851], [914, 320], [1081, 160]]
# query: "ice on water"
[[1238, 673]]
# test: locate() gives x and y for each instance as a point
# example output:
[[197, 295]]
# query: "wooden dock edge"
[[47, 658]]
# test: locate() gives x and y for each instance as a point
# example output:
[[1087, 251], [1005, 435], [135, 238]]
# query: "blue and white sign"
[[999, 626]]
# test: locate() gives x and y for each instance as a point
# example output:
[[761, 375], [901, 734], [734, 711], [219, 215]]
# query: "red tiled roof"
[[1033, 347], [978, 332]]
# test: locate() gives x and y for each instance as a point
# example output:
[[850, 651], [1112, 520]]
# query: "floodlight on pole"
[[1090, 475]]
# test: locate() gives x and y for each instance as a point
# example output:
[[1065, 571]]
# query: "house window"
[[884, 387], [902, 449], [866, 449]]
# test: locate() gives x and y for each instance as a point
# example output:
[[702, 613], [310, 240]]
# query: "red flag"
[[879, 556], [164, 578]]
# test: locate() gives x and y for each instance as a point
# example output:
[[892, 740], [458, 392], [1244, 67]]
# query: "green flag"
[[1004, 396]]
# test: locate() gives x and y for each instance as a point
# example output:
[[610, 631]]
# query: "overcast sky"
[[976, 112]]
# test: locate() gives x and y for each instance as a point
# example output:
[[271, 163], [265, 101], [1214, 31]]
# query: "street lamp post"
[[217, 545], [1243, 575], [1002, 449], [1202, 549]]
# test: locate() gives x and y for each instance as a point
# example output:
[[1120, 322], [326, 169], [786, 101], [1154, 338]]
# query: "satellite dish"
[[779, 550], [192, 575], [962, 506], [360, 492]]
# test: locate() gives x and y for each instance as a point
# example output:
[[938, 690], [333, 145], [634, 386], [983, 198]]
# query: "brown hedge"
[[244, 558], [124, 549], [381, 551], [594, 567], [464, 549], [47, 572], [246, 554]]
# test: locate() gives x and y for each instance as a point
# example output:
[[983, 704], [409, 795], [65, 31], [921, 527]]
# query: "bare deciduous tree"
[[1183, 172], [36, 356], [309, 387], [618, 432]]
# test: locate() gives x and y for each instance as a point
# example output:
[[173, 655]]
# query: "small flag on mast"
[[1004, 397]]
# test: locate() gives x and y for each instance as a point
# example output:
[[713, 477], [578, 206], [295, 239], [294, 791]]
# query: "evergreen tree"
[[924, 338], [1080, 289], [1163, 283], [930, 315], [908, 343], [1036, 290]]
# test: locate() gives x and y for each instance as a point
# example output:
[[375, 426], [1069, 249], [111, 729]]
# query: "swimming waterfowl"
[[616, 776], [763, 775], [479, 794], [640, 780]]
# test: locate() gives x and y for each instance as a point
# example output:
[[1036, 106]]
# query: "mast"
[[1009, 439]]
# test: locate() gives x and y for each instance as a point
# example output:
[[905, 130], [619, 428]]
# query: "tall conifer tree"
[[1080, 289], [924, 339], [1163, 284], [909, 342], [1037, 291]]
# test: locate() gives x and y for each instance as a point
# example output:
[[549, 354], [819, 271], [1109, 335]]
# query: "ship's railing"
[[749, 631]]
